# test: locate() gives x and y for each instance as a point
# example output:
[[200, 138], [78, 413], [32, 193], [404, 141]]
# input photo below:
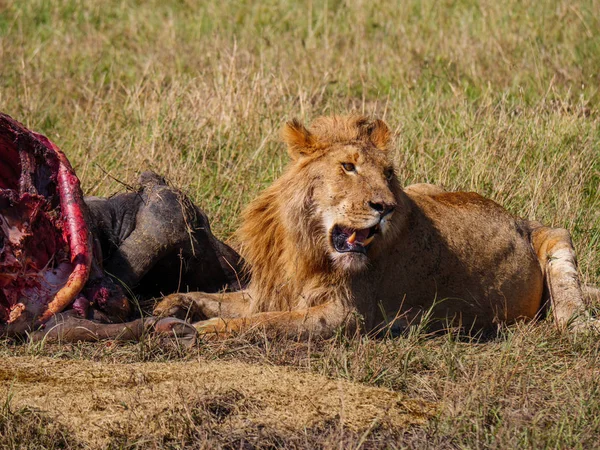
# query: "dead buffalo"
[[71, 266]]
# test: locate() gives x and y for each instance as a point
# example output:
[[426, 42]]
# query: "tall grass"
[[496, 97]]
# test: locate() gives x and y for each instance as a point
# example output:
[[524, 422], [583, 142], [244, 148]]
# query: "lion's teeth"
[[367, 241], [352, 238]]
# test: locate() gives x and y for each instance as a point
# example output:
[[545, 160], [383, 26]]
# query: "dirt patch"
[[96, 400]]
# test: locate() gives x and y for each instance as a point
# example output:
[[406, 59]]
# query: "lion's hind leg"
[[556, 254]]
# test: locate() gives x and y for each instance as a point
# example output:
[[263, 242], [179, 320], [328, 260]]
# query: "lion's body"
[[336, 234], [461, 252]]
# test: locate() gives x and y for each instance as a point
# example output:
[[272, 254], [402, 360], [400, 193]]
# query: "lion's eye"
[[349, 167], [389, 174]]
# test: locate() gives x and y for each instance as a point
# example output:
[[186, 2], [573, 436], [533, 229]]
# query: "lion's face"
[[355, 201], [353, 188]]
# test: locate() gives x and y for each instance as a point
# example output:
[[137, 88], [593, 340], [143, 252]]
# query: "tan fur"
[[454, 257]]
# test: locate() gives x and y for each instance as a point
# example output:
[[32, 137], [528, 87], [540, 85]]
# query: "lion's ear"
[[380, 134], [299, 140]]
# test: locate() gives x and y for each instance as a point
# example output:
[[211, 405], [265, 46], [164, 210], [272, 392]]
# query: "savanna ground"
[[496, 97]]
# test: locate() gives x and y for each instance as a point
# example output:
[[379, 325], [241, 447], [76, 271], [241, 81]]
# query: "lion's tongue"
[[356, 236]]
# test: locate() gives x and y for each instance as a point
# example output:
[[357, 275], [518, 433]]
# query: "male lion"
[[336, 235]]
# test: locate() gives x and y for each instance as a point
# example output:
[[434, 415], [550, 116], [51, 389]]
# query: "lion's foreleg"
[[557, 258], [320, 320], [194, 306]]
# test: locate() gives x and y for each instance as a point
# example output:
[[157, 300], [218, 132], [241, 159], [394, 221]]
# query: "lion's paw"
[[180, 306]]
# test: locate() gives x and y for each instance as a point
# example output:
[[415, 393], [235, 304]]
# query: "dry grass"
[[526, 388], [497, 97], [177, 401]]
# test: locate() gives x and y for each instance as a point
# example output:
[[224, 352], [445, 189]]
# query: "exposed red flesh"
[[45, 243], [76, 229]]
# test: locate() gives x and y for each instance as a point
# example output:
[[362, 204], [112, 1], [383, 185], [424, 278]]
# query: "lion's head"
[[352, 183], [330, 211]]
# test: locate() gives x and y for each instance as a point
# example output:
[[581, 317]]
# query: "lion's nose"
[[382, 208]]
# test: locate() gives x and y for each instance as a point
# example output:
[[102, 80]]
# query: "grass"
[[527, 388], [497, 97]]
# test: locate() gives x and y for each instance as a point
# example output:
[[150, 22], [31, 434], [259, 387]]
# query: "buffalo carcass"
[[61, 253]]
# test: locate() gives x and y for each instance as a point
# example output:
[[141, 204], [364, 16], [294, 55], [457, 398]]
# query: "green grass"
[[496, 97]]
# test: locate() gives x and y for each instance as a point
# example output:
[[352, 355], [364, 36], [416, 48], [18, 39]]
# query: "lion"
[[336, 240]]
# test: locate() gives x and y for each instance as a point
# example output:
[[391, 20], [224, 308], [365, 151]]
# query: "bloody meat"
[[45, 243]]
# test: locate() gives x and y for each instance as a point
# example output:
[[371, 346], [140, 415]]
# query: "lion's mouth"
[[345, 239]]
